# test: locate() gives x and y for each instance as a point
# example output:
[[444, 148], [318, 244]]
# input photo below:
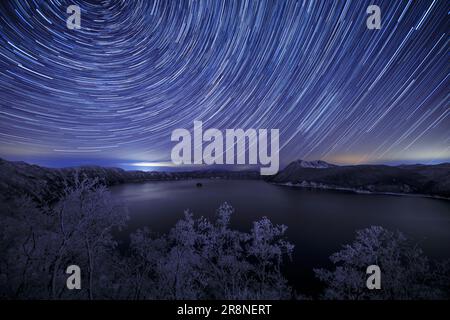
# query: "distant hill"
[[20, 178], [433, 180]]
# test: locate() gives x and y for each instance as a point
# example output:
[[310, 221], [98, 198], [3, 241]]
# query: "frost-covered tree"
[[26, 250], [200, 259], [197, 259], [406, 273], [133, 273], [42, 239], [86, 216], [268, 247]]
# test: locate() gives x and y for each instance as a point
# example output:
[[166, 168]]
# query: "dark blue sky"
[[112, 92]]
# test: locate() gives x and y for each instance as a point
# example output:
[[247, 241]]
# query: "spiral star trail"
[[113, 91]]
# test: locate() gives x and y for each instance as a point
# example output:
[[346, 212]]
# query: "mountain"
[[297, 166], [20, 178], [432, 180], [317, 164]]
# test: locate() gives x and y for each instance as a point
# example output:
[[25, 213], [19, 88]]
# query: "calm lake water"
[[319, 222]]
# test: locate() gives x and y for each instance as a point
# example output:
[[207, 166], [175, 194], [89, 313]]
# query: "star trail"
[[113, 91]]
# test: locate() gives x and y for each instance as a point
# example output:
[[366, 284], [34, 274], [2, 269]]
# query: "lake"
[[319, 221]]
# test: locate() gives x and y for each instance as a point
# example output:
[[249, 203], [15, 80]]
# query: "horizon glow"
[[111, 92]]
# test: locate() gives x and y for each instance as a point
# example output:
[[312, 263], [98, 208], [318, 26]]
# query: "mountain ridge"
[[21, 178], [429, 180]]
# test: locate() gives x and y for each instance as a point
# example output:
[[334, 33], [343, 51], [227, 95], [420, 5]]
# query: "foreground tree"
[[25, 252], [197, 259], [406, 273], [200, 259], [42, 239]]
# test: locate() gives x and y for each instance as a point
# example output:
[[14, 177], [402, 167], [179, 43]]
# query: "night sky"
[[112, 92]]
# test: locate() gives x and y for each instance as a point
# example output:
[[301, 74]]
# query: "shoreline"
[[298, 185], [357, 191]]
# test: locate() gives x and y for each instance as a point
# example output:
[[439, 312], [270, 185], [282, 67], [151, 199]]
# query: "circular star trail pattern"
[[136, 70]]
